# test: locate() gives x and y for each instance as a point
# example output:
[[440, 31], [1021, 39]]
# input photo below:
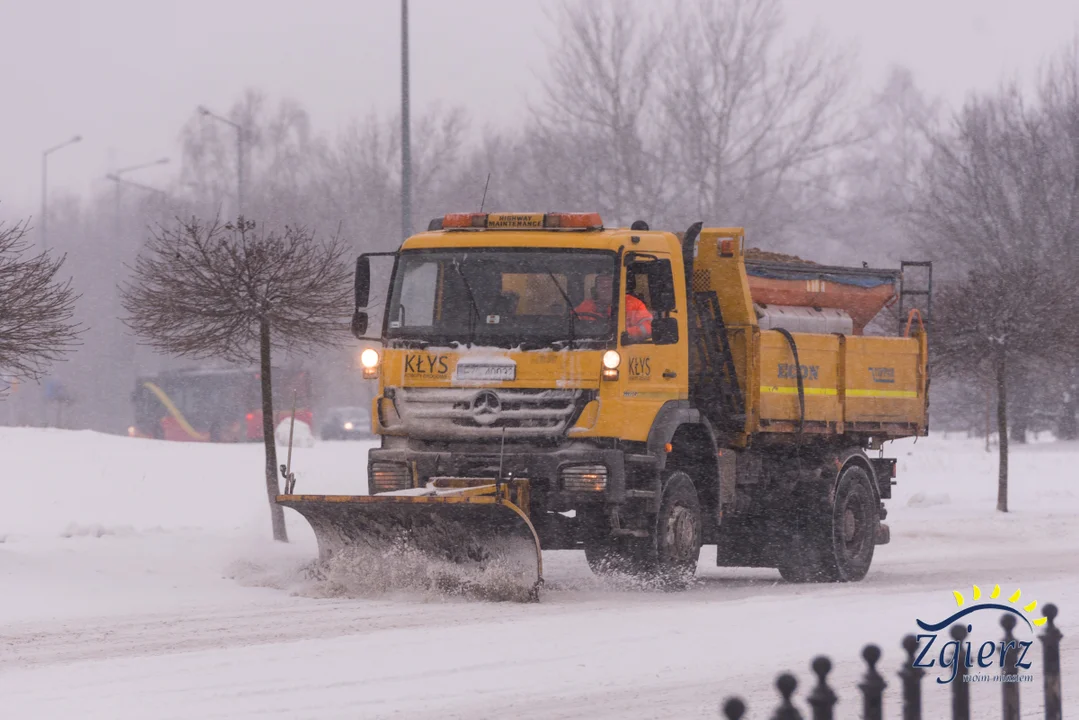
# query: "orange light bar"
[[519, 221], [464, 220], [578, 221]]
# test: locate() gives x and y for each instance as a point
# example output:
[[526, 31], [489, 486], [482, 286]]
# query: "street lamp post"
[[239, 155], [45, 187], [132, 183], [115, 177], [126, 348], [406, 140]]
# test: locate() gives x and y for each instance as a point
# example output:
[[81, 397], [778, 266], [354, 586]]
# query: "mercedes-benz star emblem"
[[486, 408]]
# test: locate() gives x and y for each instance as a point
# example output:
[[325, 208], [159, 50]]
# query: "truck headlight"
[[584, 478], [611, 361], [369, 359]]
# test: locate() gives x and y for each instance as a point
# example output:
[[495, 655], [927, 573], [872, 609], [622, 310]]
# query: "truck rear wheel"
[[834, 544], [855, 523]]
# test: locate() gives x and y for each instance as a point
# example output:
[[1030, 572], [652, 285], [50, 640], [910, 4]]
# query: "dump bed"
[[851, 383]]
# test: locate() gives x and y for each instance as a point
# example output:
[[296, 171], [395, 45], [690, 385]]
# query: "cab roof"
[[578, 231], [605, 239]]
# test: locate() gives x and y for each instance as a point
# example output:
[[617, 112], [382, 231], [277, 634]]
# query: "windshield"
[[501, 297]]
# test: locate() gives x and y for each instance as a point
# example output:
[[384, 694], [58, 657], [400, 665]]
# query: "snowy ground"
[[137, 581]]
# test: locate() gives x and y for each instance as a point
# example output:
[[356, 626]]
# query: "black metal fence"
[[822, 699]]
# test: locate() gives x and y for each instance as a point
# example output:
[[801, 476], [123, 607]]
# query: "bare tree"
[[359, 181], [597, 122], [752, 118], [235, 292], [36, 309], [694, 109], [878, 179], [994, 320], [998, 209]]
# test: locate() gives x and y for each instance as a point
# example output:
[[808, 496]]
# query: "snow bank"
[[301, 434], [60, 479], [146, 586]]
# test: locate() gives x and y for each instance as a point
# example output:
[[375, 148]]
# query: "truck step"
[[641, 459], [645, 494]]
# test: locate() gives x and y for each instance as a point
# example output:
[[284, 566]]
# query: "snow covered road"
[[138, 583]]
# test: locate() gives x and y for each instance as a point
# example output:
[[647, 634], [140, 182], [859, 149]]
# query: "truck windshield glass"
[[500, 297]]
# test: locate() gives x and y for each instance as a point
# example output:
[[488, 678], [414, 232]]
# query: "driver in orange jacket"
[[638, 318]]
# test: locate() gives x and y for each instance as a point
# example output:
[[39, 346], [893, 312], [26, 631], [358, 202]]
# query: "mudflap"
[[479, 546], [884, 535]]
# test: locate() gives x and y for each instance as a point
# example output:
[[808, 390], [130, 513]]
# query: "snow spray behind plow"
[[478, 544]]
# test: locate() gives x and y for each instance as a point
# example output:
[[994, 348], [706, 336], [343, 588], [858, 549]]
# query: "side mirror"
[[665, 331], [363, 284], [359, 324]]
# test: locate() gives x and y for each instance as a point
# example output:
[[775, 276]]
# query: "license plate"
[[486, 372]]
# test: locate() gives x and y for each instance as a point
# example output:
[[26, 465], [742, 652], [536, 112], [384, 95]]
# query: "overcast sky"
[[126, 74]]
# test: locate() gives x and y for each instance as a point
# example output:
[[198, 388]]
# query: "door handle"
[[670, 374]]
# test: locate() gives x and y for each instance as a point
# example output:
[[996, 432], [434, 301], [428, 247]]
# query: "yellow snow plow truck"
[[548, 383]]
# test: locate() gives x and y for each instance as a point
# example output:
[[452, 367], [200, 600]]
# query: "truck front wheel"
[[678, 530], [670, 554]]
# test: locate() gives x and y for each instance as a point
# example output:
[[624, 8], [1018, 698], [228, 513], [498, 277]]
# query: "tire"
[[834, 542], [855, 524], [678, 530], [669, 557]]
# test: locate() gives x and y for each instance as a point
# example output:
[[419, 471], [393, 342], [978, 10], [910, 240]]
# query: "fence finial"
[[1051, 664], [822, 699], [734, 709], [786, 684], [960, 686], [1010, 686], [912, 681], [872, 685]]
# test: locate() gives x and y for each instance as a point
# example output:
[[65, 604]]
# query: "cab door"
[[656, 367]]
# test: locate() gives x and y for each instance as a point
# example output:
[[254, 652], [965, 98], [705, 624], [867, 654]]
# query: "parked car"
[[347, 423]]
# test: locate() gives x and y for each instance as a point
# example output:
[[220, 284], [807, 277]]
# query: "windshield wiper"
[[472, 301], [569, 305]]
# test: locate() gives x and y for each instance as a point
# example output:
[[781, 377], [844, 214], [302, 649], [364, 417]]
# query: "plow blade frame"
[[474, 543]]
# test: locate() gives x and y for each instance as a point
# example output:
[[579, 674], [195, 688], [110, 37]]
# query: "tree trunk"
[[277, 514], [1020, 409], [1002, 429], [1068, 429]]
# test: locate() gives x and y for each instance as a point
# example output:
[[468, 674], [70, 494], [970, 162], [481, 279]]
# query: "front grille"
[[388, 476], [584, 478], [432, 413]]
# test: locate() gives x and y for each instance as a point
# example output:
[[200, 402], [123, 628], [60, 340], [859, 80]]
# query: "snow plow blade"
[[468, 541]]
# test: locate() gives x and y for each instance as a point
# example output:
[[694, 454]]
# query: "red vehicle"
[[215, 405]]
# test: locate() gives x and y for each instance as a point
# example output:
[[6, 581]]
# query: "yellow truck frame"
[[713, 432]]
